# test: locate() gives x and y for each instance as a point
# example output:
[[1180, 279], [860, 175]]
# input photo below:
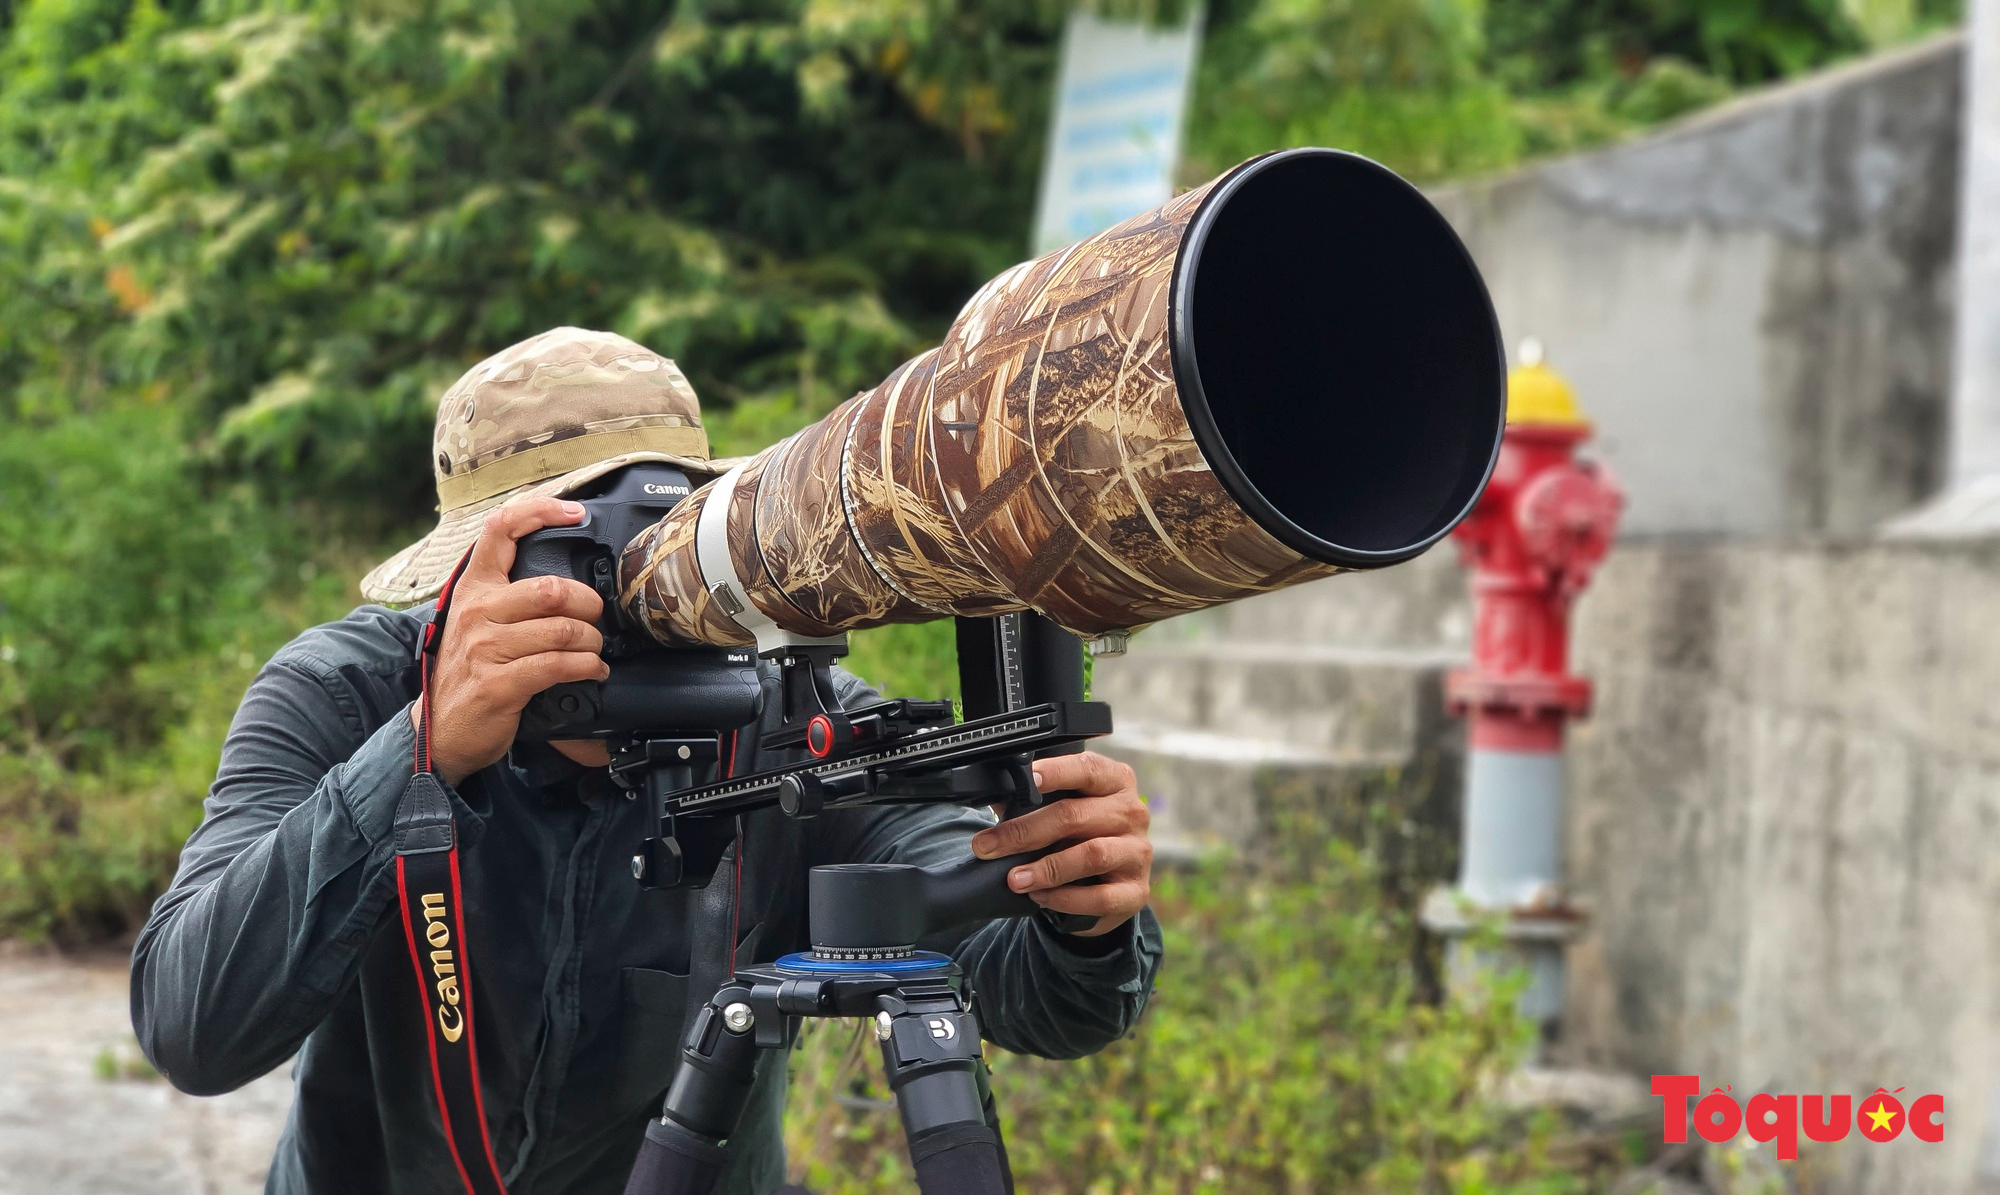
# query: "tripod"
[[1023, 695], [865, 920]]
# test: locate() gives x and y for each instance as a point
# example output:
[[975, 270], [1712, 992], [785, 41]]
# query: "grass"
[[1290, 1047]]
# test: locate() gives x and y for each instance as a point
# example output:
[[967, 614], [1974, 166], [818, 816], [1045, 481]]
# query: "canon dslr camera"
[[651, 688]]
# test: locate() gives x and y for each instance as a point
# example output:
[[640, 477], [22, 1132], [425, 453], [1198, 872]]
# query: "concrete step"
[[1331, 705], [1419, 604], [1210, 790], [1320, 705]]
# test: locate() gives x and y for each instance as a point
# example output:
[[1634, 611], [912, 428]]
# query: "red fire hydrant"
[[1543, 525]]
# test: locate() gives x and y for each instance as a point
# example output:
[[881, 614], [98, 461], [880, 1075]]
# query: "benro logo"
[[679, 490], [443, 967], [1717, 1115], [942, 1028]]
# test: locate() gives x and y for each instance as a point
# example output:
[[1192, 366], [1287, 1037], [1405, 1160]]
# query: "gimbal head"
[[881, 910]]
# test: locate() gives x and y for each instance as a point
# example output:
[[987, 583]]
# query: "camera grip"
[[976, 889], [1033, 799]]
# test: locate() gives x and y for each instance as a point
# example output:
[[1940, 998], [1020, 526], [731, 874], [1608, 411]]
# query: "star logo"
[[1883, 1116]]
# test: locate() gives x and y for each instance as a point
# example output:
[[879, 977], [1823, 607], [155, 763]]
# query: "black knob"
[[801, 794], [660, 863]]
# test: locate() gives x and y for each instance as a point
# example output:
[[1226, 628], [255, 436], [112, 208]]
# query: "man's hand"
[[1106, 825], [506, 641]]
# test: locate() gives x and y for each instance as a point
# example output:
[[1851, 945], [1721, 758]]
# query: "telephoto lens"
[[1290, 371]]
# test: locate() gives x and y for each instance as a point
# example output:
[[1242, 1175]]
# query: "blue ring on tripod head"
[[803, 963]]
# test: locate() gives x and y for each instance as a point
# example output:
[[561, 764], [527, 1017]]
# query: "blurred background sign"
[[1116, 133]]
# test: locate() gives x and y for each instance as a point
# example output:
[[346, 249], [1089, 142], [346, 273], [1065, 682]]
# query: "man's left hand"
[[1104, 826]]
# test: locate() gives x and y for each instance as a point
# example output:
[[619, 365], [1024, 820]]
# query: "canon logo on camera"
[[678, 490]]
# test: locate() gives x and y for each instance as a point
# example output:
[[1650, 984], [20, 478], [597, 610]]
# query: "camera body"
[[665, 712], [651, 688]]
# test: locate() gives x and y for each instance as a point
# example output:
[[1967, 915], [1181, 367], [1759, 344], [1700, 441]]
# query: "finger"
[[1116, 898], [1087, 772], [493, 551], [507, 642], [530, 675], [1071, 817], [542, 597], [1092, 857]]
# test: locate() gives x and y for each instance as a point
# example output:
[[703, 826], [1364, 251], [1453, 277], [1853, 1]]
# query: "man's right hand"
[[506, 641]]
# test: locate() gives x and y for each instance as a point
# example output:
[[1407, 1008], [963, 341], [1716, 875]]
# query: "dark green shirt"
[[279, 937]]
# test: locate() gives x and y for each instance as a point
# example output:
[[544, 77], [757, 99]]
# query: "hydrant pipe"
[[1544, 523]]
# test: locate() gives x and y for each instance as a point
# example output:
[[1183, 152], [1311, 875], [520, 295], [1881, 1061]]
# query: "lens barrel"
[[1288, 372]]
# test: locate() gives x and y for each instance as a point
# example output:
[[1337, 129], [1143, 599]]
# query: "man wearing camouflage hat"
[[277, 935]]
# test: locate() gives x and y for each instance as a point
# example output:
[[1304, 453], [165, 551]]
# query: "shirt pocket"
[[647, 1044], [654, 991]]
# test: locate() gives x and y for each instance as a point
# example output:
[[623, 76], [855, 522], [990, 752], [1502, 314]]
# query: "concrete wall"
[[1756, 304], [1785, 818]]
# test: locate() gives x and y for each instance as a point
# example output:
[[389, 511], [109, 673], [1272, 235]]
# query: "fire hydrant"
[[1543, 525]]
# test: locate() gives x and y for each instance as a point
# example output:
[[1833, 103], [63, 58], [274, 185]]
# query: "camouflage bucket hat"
[[543, 417]]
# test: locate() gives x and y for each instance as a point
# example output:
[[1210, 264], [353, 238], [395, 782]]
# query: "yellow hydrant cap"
[[1538, 394]]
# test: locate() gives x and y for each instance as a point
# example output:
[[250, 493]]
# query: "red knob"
[[819, 736]]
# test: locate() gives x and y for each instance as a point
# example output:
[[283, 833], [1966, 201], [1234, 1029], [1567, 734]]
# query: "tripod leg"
[[992, 1112], [683, 1153], [675, 1161], [931, 1053]]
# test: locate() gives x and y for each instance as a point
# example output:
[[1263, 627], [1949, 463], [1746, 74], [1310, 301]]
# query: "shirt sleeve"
[[281, 887], [1038, 991]]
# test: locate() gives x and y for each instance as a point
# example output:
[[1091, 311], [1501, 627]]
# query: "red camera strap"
[[427, 887]]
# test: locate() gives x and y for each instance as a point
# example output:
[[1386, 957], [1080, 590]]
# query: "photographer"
[[278, 934]]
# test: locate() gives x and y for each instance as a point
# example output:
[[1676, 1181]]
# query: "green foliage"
[[296, 223], [1288, 1049], [113, 558], [134, 604], [1543, 44], [300, 222], [1440, 88], [1666, 88], [911, 660], [1399, 80]]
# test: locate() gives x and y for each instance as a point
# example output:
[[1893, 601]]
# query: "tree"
[[297, 223]]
